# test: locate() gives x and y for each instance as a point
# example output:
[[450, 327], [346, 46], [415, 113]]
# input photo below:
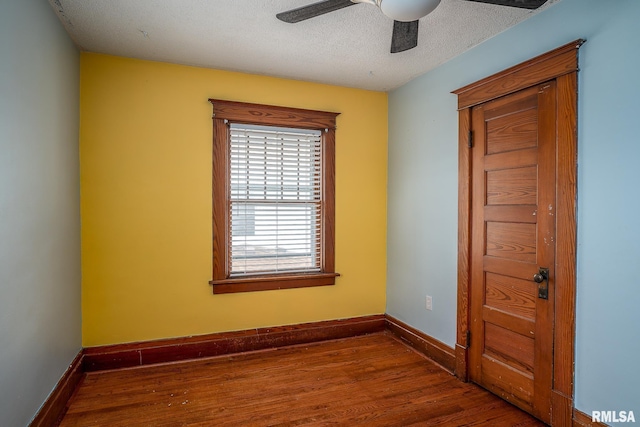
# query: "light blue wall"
[[40, 319], [422, 230]]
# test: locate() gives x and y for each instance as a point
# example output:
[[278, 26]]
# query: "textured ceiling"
[[349, 47]]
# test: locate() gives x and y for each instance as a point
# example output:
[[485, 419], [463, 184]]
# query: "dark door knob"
[[542, 278]]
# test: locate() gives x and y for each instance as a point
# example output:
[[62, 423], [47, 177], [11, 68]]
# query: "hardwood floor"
[[372, 380]]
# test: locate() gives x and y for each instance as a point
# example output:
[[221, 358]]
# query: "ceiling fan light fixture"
[[407, 10]]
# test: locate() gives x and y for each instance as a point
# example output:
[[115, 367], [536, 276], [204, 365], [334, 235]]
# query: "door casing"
[[561, 65]]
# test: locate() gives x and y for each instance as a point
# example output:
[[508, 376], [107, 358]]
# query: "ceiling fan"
[[405, 14]]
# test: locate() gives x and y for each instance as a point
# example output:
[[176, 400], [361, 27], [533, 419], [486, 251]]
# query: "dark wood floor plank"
[[372, 380]]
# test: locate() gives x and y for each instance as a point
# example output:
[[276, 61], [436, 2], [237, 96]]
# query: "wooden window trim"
[[225, 112]]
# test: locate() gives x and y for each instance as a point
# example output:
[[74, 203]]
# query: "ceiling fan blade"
[[524, 4], [405, 36], [311, 11]]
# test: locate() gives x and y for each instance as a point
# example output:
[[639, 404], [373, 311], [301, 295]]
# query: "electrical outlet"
[[429, 303]]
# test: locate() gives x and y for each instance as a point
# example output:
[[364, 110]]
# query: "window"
[[273, 197]]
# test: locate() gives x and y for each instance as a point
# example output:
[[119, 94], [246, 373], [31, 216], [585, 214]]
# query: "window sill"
[[269, 283]]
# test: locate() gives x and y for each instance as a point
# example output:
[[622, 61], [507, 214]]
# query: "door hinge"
[[468, 338], [470, 140]]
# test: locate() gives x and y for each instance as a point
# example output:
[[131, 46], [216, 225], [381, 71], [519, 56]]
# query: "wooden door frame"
[[561, 65]]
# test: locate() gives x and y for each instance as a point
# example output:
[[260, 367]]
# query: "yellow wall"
[[145, 152]]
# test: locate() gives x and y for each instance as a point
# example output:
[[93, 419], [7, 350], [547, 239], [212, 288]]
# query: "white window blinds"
[[275, 200]]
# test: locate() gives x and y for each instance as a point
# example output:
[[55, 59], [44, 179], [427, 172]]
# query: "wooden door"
[[513, 227]]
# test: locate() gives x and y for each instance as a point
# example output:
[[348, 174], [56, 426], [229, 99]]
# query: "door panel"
[[513, 131], [509, 346], [513, 232], [510, 240], [517, 186], [515, 297]]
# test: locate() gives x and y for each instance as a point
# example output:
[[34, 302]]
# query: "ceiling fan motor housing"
[[407, 10]]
